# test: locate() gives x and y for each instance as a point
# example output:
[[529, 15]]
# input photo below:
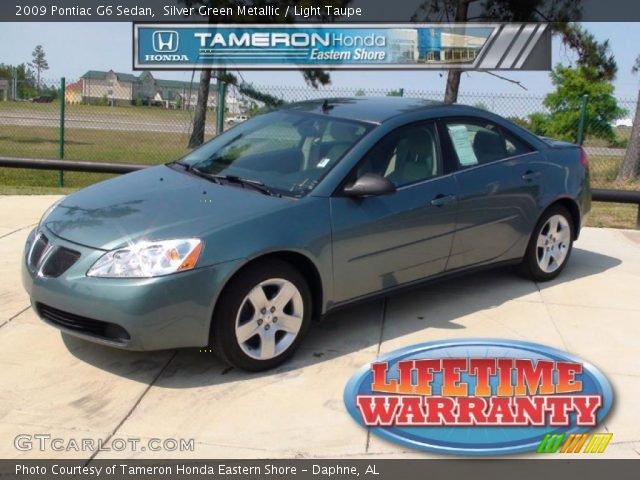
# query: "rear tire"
[[262, 316], [550, 245]]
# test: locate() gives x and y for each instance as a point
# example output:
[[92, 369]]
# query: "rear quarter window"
[[478, 142]]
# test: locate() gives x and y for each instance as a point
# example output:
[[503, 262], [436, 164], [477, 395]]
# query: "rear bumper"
[[172, 311]]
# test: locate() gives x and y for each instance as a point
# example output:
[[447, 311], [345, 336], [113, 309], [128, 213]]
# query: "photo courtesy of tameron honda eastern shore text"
[[243, 242]]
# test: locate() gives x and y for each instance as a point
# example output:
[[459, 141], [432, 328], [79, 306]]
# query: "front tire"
[[262, 316], [550, 245]]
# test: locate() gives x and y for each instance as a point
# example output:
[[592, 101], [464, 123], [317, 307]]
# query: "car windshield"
[[288, 152]]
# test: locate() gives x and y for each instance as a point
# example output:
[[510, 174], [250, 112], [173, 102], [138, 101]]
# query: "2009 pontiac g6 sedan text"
[[295, 212]]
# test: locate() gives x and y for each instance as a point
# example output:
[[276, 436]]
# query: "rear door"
[[390, 240], [498, 177]]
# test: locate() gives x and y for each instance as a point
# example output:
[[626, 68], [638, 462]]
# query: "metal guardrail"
[[70, 165], [598, 195], [618, 196]]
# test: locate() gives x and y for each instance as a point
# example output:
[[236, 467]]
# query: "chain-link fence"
[[605, 144], [121, 119], [102, 120]]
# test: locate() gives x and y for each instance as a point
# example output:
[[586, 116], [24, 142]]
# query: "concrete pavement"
[[58, 385]]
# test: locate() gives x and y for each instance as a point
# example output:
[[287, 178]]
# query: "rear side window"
[[478, 142]]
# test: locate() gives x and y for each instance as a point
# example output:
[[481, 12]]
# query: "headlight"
[[48, 211], [148, 259]]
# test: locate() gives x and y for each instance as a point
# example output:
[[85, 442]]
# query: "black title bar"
[[319, 469], [262, 11]]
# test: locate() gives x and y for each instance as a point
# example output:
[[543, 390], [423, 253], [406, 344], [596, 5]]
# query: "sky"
[[74, 48]]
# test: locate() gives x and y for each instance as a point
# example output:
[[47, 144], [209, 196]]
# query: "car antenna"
[[326, 107]]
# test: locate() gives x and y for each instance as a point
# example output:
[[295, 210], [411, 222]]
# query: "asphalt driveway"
[[56, 385]]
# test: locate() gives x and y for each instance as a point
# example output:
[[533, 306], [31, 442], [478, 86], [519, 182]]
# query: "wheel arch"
[[566, 202], [574, 210], [305, 265]]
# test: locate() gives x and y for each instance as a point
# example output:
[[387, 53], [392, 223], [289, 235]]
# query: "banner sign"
[[375, 46], [482, 397]]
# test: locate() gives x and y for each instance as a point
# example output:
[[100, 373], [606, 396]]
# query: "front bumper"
[[172, 311]]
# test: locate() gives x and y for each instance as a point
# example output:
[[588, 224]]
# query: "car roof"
[[365, 109]]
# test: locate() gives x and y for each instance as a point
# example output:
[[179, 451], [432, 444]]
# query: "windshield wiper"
[[247, 182], [198, 173], [201, 174], [257, 185]]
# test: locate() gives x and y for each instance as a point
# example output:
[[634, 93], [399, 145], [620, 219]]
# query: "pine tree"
[[39, 63], [557, 13]]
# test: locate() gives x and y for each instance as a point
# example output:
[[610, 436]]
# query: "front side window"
[[289, 152], [477, 142], [407, 155]]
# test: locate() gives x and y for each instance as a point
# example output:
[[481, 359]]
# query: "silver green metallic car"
[[243, 242]]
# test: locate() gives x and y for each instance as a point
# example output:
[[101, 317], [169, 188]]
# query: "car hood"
[[154, 204]]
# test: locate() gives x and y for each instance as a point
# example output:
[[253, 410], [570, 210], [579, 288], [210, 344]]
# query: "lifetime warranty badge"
[[482, 397], [348, 46]]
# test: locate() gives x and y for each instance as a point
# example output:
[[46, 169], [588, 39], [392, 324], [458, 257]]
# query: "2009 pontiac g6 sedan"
[[244, 241]]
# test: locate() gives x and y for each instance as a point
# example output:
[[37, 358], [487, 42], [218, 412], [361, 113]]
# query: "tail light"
[[584, 158]]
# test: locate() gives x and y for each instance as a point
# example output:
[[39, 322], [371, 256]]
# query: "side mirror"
[[369, 185]]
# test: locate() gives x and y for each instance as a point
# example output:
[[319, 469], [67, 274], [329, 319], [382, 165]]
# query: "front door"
[[385, 241]]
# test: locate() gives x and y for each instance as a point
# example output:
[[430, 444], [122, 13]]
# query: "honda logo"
[[165, 41]]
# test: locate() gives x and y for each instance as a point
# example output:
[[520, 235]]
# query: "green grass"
[[80, 144], [156, 148], [34, 190], [99, 112], [622, 135], [97, 145], [613, 215], [604, 170]]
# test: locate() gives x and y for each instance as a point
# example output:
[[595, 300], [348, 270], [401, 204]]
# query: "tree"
[[453, 76], [39, 63], [564, 105], [555, 12], [360, 93], [26, 84], [591, 53], [595, 69], [630, 167], [313, 78], [200, 117], [51, 90]]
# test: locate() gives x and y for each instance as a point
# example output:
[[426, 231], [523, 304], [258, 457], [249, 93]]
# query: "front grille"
[[59, 262], [87, 326], [48, 260], [39, 246]]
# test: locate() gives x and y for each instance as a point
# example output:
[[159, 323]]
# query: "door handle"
[[530, 175], [441, 200]]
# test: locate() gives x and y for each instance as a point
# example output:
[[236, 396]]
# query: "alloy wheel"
[[554, 241], [269, 319]]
